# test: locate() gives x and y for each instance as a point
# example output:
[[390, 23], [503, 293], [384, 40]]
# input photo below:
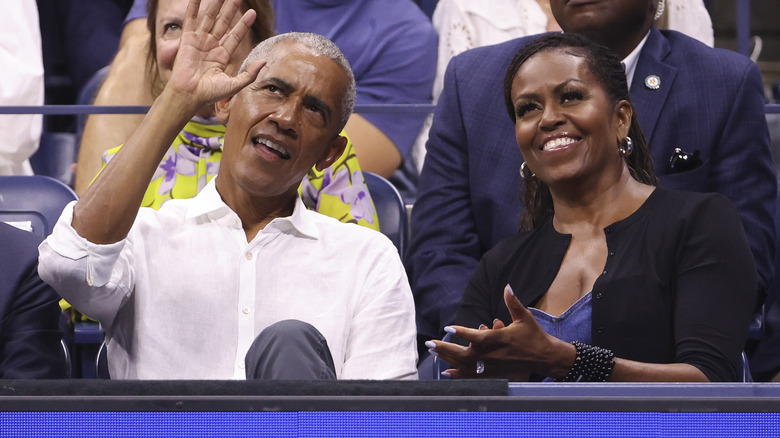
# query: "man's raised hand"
[[207, 43]]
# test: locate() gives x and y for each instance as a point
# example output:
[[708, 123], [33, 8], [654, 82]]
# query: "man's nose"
[[286, 118]]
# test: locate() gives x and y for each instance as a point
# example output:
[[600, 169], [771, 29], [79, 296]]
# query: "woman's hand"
[[198, 76], [511, 352]]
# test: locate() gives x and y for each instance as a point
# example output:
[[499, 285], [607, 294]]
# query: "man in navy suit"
[[707, 102], [29, 312]]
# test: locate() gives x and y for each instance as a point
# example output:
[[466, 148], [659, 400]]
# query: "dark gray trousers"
[[290, 350]]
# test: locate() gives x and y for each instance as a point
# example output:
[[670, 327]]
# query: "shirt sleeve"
[[95, 279], [382, 341], [715, 286]]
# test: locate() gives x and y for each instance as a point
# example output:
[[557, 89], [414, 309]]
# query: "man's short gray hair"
[[321, 46]]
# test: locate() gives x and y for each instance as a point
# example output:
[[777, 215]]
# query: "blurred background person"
[[21, 83]]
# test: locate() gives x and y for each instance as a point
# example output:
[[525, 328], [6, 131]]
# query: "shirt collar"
[[209, 203], [630, 61]]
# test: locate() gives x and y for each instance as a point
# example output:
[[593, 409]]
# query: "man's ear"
[[222, 108], [332, 153]]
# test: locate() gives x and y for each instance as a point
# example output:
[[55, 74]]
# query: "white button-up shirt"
[[185, 295]]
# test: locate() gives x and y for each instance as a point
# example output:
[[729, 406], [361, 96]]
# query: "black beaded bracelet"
[[592, 364]]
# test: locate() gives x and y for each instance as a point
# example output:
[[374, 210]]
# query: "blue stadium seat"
[[390, 209], [55, 156], [34, 202], [87, 97]]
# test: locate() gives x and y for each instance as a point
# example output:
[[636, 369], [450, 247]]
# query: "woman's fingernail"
[[430, 344], [433, 352], [511, 292], [449, 330], [446, 374], [482, 326], [496, 321]]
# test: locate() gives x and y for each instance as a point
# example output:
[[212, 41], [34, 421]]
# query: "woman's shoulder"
[[679, 202]]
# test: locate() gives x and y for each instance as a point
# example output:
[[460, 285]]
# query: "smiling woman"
[[614, 278]]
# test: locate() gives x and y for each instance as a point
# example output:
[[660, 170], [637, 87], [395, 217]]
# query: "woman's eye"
[[525, 108], [571, 96], [170, 27]]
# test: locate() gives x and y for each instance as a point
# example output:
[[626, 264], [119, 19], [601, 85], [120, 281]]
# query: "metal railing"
[[114, 109]]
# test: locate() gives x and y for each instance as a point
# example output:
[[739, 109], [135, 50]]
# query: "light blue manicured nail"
[[430, 344], [433, 352], [511, 292], [446, 374], [449, 330]]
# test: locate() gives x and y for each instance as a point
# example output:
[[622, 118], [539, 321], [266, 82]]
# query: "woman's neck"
[[600, 206]]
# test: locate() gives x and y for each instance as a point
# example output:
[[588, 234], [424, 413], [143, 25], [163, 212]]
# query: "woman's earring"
[[523, 172], [660, 9], [627, 147]]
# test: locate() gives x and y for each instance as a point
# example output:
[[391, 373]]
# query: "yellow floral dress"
[[193, 160]]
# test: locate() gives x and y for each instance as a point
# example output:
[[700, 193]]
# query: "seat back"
[[390, 209], [87, 95], [33, 202], [55, 156]]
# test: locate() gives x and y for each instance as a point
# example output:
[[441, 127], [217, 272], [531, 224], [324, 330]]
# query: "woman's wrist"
[[592, 364], [560, 359]]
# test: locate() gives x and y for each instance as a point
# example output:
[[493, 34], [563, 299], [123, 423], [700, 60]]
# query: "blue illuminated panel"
[[390, 424]]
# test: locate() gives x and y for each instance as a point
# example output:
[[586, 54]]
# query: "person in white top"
[[183, 292], [21, 83]]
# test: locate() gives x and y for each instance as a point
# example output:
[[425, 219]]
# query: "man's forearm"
[[107, 210]]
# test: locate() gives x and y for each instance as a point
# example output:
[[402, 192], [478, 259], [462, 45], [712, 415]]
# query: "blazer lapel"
[[652, 82]]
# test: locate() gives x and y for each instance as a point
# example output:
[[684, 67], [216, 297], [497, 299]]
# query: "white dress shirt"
[[185, 295]]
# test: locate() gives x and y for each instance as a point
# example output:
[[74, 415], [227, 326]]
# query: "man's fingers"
[[208, 15], [230, 41], [250, 74], [230, 10], [190, 16]]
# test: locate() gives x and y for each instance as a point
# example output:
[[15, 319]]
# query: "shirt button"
[[246, 309], [241, 365], [89, 282], [604, 273], [234, 222], [599, 330], [611, 253], [608, 229], [598, 295], [248, 256]]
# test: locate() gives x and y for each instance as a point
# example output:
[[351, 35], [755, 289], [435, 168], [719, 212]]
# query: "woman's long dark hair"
[[609, 72]]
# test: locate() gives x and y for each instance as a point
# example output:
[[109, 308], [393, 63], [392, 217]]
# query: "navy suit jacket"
[[709, 100], [29, 312]]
